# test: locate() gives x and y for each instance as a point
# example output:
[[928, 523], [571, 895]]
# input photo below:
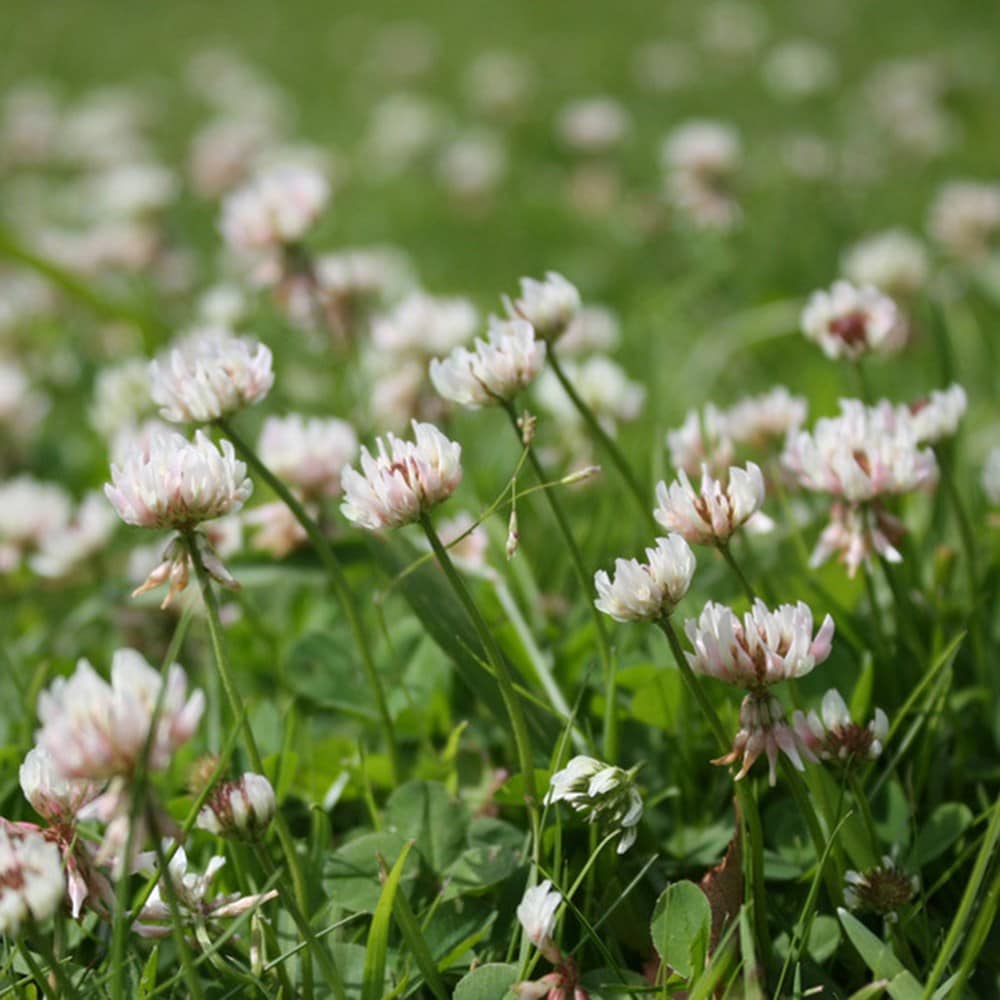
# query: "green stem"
[[800, 792], [864, 806], [496, 659], [36, 972], [341, 587], [754, 838], [724, 549], [299, 899], [607, 442], [584, 579], [864, 389]]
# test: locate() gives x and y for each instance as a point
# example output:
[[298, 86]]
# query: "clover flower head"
[[894, 261], [537, 914], [66, 548], [403, 480], [711, 515], [855, 533], [31, 512], [496, 370], [703, 439], [32, 883], [833, 735], [603, 386], [308, 452], [964, 218], [56, 798], [97, 730], [756, 420], [243, 808], [550, 305], [937, 416], [884, 889], [849, 322], [422, 326], [210, 374], [646, 592]]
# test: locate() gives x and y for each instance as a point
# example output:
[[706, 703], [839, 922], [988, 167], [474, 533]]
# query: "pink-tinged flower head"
[[423, 326], [550, 306], [243, 808], [56, 798], [857, 531], [274, 209], [937, 416], [496, 370], [96, 730], [711, 515], [176, 483], [863, 453], [210, 374], [537, 914], [763, 648], [703, 439], [308, 452], [756, 420], [32, 884], [848, 322], [834, 735], [403, 480], [965, 218], [647, 592]]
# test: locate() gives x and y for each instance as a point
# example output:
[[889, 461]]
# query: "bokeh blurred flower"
[[938, 415], [423, 326], [603, 386], [849, 322], [550, 306], [243, 808], [56, 798], [965, 218], [30, 513], [894, 261], [83, 536], [593, 124], [647, 592], [702, 440], [32, 884], [308, 453], [755, 420], [833, 735]]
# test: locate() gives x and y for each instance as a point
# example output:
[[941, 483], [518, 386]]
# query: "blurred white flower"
[[602, 384], [498, 82], [56, 798], [733, 28], [937, 416], [223, 152], [496, 370], [594, 124], [702, 440], [764, 730], [537, 914], [473, 164], [277, 529], [647, 592], [176, 483], [467, 543], [700, 159], [274, 210], [711, 514], [308, 452], [32, 884], [63, 550], [404, 480], [122, 397], [210, 374], [833, 735], [129, 190], [30, 512], [594, 329], [855, 532], [757, 419], [22, 408], [223, 305], [662, 67], [243, 808], [798, 69], [849, 322], [964, 218], [96, 730], [550, 306], [599, 791], [402, 128], [990, 478], [423, 326], [894, 261]]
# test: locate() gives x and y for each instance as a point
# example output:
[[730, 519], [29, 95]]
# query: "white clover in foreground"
[[96, 730], [496, 370], [894, 261], [273, 210], [764, 730], [308, 452], [537, 914], [210, 374], [711, 515], [764, 648], [192, 893], [403, 480], [56, 798], [647, 592], [32, 884], [550, 306], [599, 791], [884, 889], [833, 735], [243, 808], [176, 483], [849, 322]]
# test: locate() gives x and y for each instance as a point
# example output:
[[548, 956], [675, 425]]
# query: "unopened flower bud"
[[580, 476], [513, 535], [528, 423], [242, 809]]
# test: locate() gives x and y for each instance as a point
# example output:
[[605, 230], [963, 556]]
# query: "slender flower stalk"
[[297, 901], [496, 659], [583, 578], [341, 587], [605, 439]]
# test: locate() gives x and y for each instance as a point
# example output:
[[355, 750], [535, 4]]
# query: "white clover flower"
[[765, 648], [710, 515], [32, 883], [593, 125], [700, 159], [937, 416], [122, 398], [855, 532], [647, 592], [21, 407], [96, 730], [965, 218], [550, 306], [63, 550], [884, 889], [599, 791], [56, 798], [595, 329], [423, 326], [537, 914], [602, 384], [128, 190], [210, 374], [703, 439], [863, 453], [192, 894], [849, 322], [757, 419], [990, 477], [798, 69], [403, 480], [223, 305], [308, 452], [833, 735], [176, 483], [764, 730], [467, 543], [30, 512], [275, 209], [496, 370], [894, 261], [362, 275], [473, 164], [243, 808], [277, 529]]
